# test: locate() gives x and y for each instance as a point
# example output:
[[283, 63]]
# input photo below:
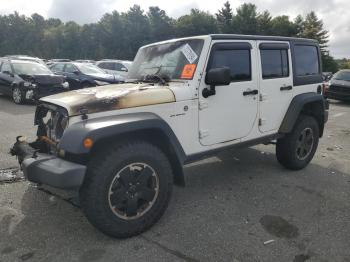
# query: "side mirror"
[[216, 77], [124, 69], [76, 72]]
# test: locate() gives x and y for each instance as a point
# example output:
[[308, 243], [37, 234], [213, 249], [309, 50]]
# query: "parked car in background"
[[119, 68], [81, 75], [26, 58], [339, 86], [327, 76], [85, 61], [27, 80]]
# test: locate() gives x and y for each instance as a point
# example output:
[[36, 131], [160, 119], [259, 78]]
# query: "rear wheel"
[[296, 150], [127, 189], [17, 95]]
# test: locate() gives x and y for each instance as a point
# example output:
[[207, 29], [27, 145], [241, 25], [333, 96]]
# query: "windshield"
[[342, 75], [177, 60], [30, 69], [89, 69]]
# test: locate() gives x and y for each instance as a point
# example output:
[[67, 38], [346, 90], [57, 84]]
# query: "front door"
[[231, 113], [276, 83], [6, 78]]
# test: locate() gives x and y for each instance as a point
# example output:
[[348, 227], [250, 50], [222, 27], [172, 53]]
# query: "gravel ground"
[[238, 206]]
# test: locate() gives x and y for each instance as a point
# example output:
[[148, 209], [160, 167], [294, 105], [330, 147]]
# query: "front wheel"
[[296, 150], [17, 95], [127, 188]]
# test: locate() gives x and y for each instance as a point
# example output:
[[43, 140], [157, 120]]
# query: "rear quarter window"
[[306, 60]]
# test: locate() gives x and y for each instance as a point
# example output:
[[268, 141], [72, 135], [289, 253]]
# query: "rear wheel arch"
[[310, 104]]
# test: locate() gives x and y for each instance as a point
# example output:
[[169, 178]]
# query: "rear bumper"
[[53, 171]]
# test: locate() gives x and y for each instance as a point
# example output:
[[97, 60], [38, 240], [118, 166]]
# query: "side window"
[[274, 63], [57, 67], [70, 68], [120, 67], [6, 67], [238, 61], [306, 60], [106, 65]]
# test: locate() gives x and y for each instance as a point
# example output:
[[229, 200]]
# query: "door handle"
[[286, 88], [250, 92]]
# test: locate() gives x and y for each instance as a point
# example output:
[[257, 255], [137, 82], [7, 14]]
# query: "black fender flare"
[[298, 104], [106, 127]]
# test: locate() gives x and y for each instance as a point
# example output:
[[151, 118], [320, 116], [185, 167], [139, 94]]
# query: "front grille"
[[52, 121], [339, 88]]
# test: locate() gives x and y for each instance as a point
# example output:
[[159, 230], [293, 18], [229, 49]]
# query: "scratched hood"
[[111, 97]]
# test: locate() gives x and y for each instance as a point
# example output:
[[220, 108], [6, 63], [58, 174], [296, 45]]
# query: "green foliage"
[[343, 63], [246, 20], [224, 18], [282, 26], [119, 35], [329, 64], [196, 23]]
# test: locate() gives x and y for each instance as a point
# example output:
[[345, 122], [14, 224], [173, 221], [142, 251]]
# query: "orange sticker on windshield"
[[188, 71]]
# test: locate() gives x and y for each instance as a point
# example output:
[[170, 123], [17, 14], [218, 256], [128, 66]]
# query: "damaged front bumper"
[[47, 169]]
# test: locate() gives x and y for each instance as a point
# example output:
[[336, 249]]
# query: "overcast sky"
[[335, 13]]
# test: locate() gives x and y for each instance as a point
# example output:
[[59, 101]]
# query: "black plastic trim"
[[273, 46], [296, 107], [109, 126], [53, 171], [261, 140], [258, 37]]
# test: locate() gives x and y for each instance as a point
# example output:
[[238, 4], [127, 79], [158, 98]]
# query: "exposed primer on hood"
[[111, 97]]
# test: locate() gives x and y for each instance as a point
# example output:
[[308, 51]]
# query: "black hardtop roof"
[[259, 37]]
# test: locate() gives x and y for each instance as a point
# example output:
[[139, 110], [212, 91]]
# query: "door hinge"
[[203, 105], [203, 133], [262, 121], [262, 97]]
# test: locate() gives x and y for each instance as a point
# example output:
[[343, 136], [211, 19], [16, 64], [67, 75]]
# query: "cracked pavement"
[[238, 206]]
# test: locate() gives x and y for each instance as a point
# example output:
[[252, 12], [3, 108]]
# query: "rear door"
[[276, 83], [231, 113]]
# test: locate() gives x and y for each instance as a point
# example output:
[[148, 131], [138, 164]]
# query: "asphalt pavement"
[[238, 206]]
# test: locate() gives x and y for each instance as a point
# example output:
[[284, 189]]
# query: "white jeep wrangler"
[[122, 146]]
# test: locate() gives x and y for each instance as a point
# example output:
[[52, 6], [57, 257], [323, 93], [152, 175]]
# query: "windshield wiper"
[[155, 78]]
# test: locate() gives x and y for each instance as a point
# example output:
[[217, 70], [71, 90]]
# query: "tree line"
[[120, 34]]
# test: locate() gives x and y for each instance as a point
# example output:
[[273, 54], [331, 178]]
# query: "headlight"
[[29, 84], [65, 85], [101, 83]]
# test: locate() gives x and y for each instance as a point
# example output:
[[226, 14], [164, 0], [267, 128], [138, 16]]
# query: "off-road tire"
[[287, 148], [101, 172], [18, 95]]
